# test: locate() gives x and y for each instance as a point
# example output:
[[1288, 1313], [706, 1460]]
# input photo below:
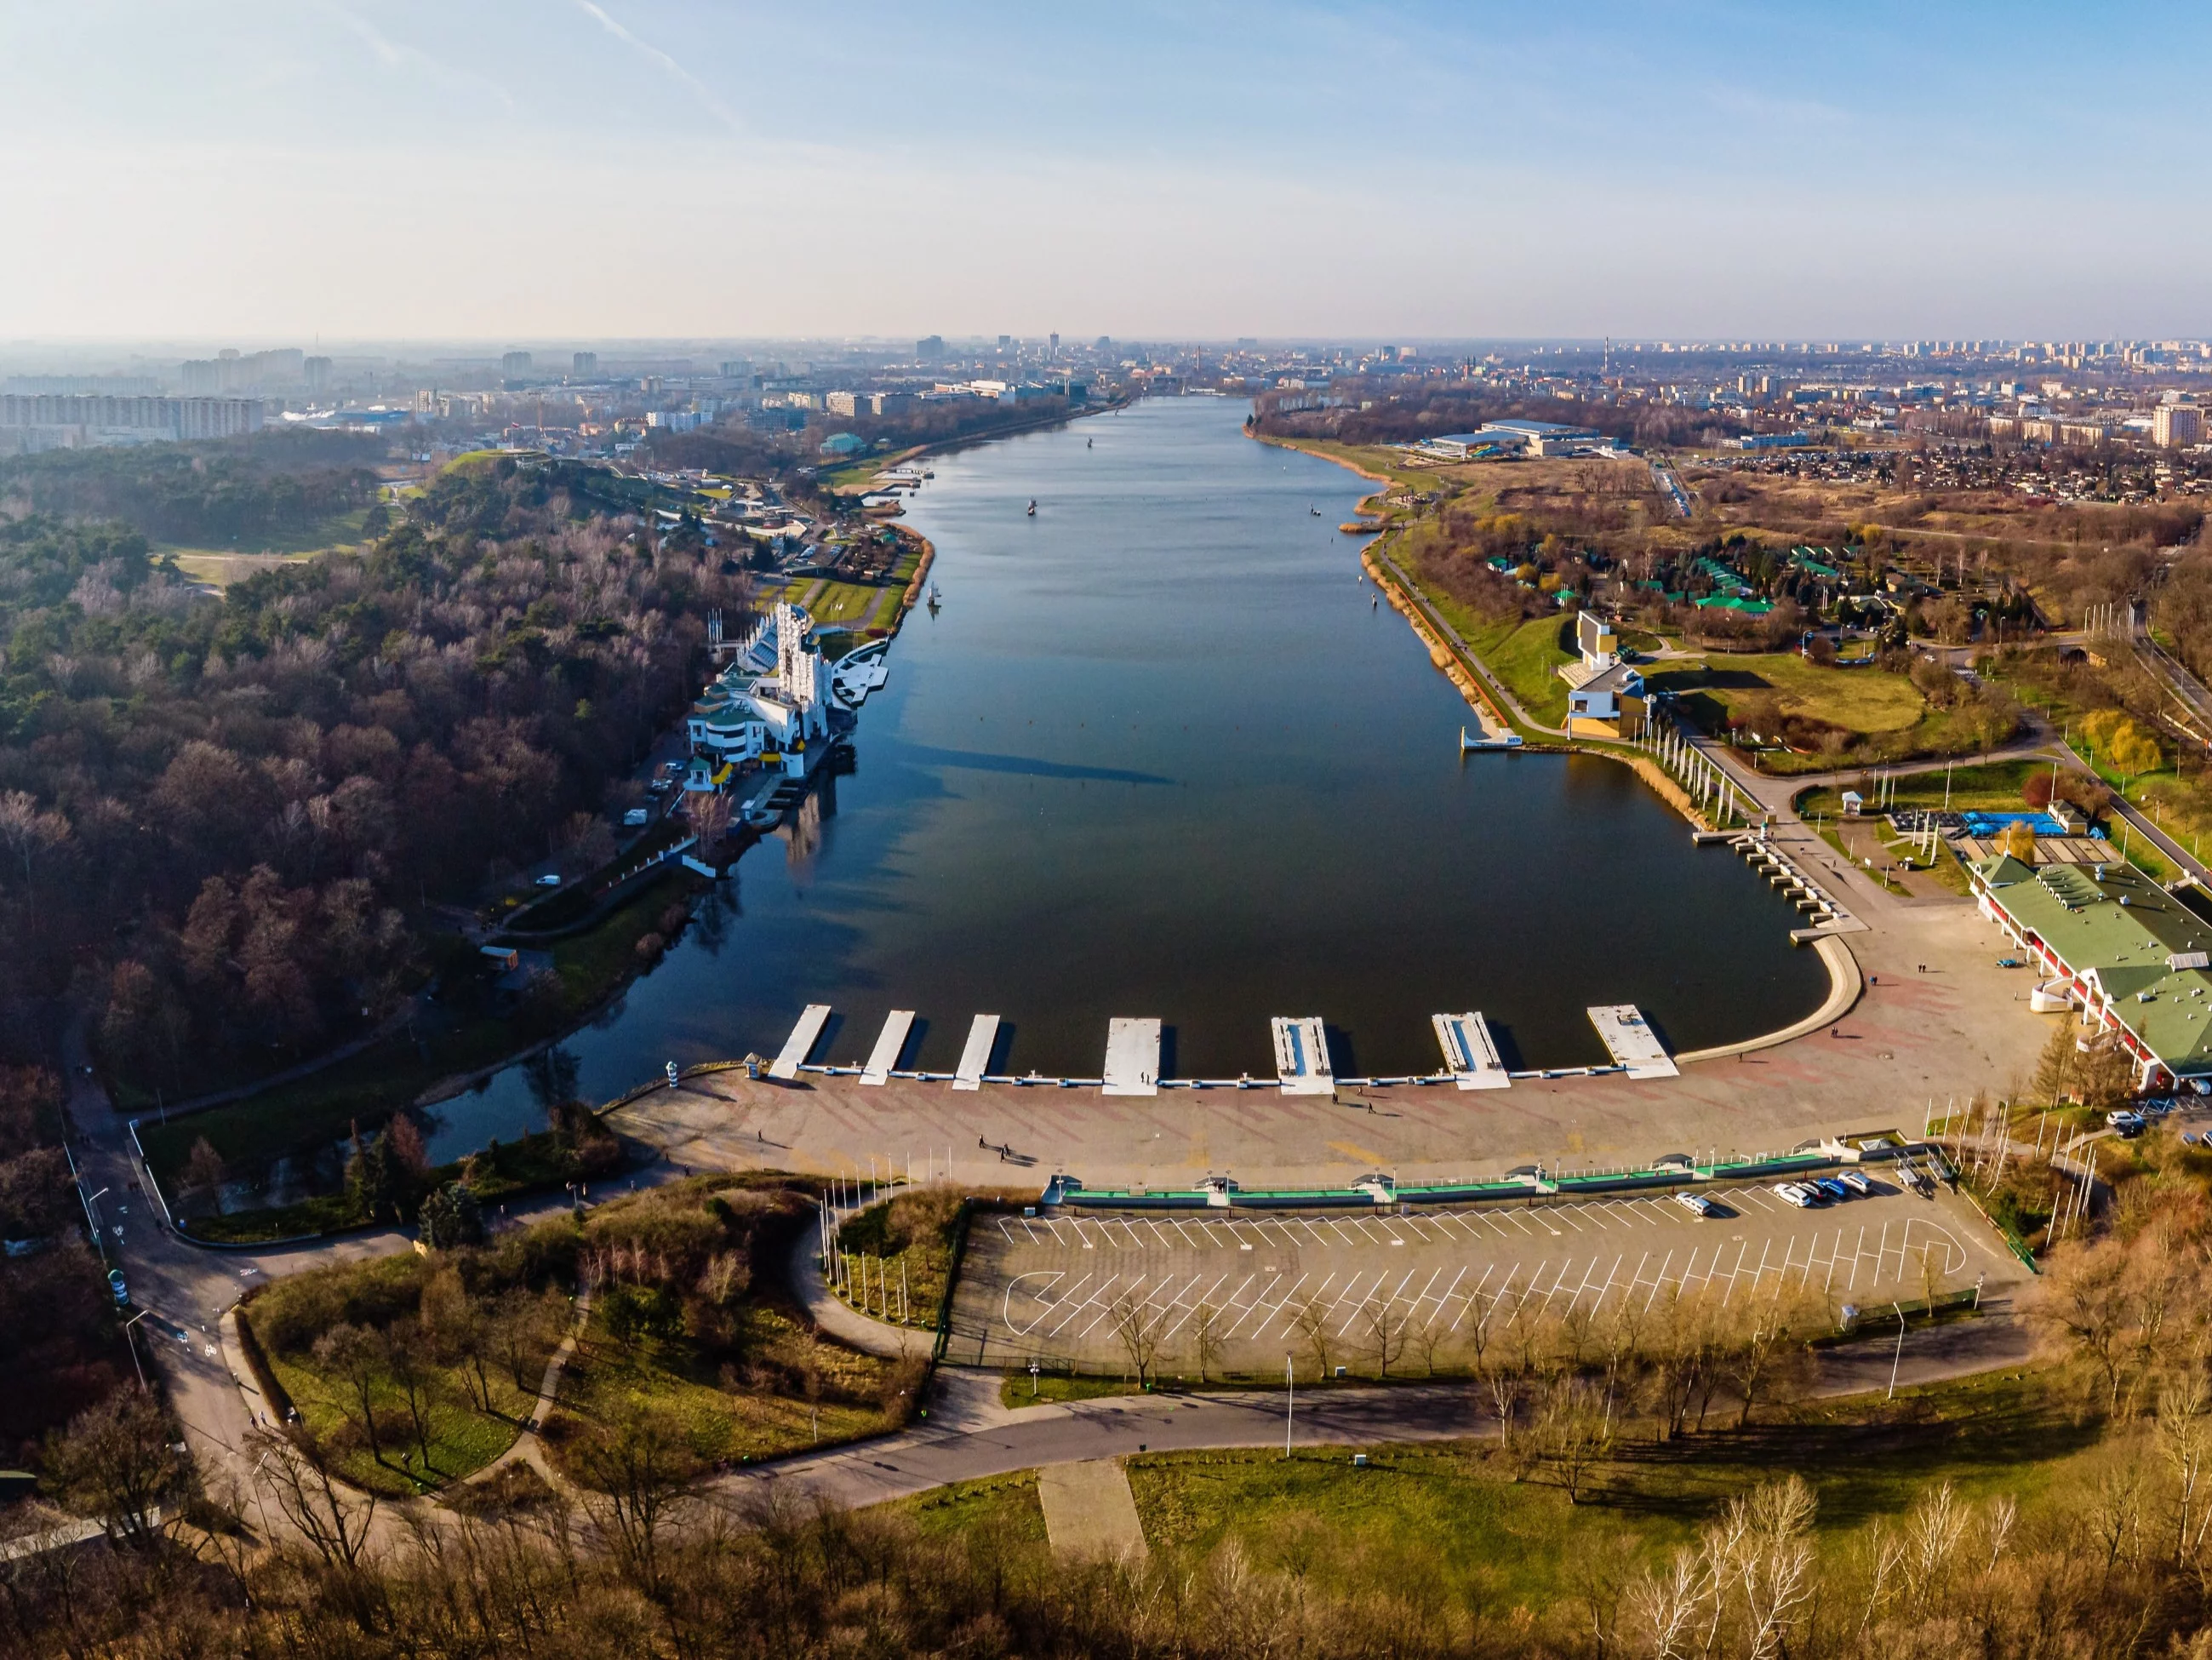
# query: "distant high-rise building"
[[514, 362], [1056, 344], [2173, 425], [318, 371], [1006, 340], [930, 348], [737, 368], [1105, 343], [584, 363]]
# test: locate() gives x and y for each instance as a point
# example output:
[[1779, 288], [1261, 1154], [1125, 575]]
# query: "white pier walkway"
[[1302, 1055], [801, 1042], [975, 1055], [1132, 1057], [888, 1042], [1470, 1054], [1631, 1043]]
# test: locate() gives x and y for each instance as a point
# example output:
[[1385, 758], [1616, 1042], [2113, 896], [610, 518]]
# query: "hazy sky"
[[263, 170]]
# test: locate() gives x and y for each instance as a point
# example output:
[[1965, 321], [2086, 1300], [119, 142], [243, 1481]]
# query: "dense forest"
[[1376, 415], [202, 495], [222, 820]]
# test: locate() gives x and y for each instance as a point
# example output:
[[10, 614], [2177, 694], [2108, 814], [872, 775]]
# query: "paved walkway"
[[1089, 1512]]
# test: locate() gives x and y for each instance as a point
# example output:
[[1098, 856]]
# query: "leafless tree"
[[1136, 1326], [1206, 1337]]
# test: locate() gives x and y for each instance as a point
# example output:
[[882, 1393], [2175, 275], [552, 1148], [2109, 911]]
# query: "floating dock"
[[1132, 1057], [1630, 1042], [1302, 1055], [1470, 1054], [976, 1054], [888, 1042], [801, 1042]]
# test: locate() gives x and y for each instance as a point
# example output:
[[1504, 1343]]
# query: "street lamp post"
[[1897, 1359], [133, 1345], [1290, 1400]]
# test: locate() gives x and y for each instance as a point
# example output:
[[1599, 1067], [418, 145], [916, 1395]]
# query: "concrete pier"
[[1470, 1053], [1630, 1042], [1302, 1055], [975, 1054], [888, 1042], [801, 1042], [1132, 1057]]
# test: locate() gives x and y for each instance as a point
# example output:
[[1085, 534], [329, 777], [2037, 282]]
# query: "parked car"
[[636, 818], [1832, 1187], [1696, 1203], [1855, 1182], [2127, 1125], [1794, 1194], [549, 880], [117, 1289]]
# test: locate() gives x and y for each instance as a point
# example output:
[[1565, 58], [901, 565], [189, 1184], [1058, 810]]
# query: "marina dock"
[[976, 1053], [1470, 1053], [1302, 1055], [888, 1042], [801, 1042], [1630, 1042], [1132, 1057]]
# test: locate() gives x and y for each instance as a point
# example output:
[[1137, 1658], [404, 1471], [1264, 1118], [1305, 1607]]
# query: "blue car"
[[1834, 1189]]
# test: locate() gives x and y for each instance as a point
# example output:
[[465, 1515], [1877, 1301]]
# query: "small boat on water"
[[1315, 511], [935, 598], [1032, 506], [1510, 741]]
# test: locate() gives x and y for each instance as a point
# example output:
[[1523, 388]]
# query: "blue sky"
[[549, 169]]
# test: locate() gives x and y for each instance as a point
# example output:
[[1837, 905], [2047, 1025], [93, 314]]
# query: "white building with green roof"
[[2131, 956]]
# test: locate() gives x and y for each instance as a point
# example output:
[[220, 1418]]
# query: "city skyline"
[[589, 170]]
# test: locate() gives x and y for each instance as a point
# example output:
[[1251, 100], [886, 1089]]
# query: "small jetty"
[[1132, 1057], [801, 1044], [1628, 1037], [889, 1042], [1302, 1055], [1510, 740], [976, 1053], [1470, 1053]]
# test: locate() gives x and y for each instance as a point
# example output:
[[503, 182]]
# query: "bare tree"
[[294, 1468], [1137, 1328], [1383, 1330], [1206, 1337], [1573, 1433], [114, 1463], [356, 1358], [1311, 1324], [632, 1473]]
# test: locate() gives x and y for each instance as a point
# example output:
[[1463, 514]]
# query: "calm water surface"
[[1160, 754]]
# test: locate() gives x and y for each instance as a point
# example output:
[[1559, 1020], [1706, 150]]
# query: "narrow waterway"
[[1159, 753]]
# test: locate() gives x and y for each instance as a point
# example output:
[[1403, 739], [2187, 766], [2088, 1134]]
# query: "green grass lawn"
[[1864, 700], [906, 1243], [341, 530], [1014, 1389], [733, 1416], [1524, 655], [1456, 1512], [1470, 1526], [463, 1439]]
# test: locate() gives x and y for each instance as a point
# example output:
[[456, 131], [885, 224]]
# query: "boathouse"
[[2127, 954]]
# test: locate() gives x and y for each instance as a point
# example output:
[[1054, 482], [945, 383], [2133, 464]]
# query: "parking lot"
[[1056, 1288]]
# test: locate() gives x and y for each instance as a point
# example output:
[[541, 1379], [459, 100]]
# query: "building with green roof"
[[2129, 956]]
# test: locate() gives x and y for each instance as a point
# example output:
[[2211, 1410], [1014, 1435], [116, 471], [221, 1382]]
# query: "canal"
[[1159, 753]]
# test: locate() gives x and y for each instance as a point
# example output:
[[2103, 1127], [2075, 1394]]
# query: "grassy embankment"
[[1475, 1522], [692, 1339], [367, 1088], [905, 1245]]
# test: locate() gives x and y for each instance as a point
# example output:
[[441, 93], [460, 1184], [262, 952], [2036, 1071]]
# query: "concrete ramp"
[[801, 1044], [1132, 1057], [1089, 1512], [1302, 1055], [1470, 1053], [888, 1042], [1630, 1042], [976, 1054]]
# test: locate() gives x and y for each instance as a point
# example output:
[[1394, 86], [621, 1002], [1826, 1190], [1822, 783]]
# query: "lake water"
[[1160, 754]]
